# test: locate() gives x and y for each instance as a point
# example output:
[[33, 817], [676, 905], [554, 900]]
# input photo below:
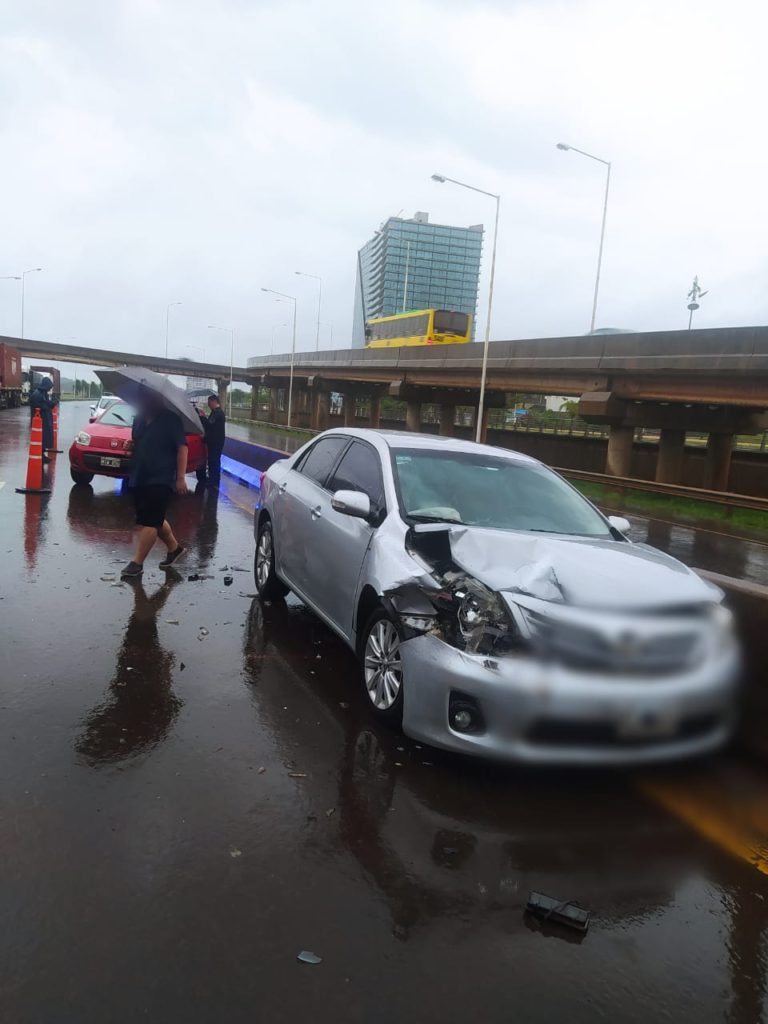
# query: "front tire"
[[80, 478], [268, 584], [382, 668]]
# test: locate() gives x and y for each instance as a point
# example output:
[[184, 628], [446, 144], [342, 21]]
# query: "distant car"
[[100, 407], [493, 609], [104, 447]]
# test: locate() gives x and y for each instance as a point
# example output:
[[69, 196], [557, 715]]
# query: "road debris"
[[565, 912], [262, 769], [234, 852], [307, 957], [330, 811], [228, 581], [172, 622], [297, 775]]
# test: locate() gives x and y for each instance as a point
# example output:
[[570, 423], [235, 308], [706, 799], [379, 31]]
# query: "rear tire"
[[382, 668], [80, 478], [268, 584]]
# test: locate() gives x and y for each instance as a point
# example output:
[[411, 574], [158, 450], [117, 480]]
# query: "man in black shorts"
[[159, 468]]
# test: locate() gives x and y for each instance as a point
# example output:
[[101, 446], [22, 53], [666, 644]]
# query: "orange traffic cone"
[[35, 462], [55, 416]]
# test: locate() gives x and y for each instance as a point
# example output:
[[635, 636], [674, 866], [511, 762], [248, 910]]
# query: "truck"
[[10, 377]]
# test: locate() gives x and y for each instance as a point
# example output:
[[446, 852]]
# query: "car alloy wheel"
[[268, 584], [382, 665], [264, 558]]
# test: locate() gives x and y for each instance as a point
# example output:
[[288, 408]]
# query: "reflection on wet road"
[[192, 792]]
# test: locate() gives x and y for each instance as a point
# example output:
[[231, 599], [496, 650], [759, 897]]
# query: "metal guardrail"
[[727, 498]]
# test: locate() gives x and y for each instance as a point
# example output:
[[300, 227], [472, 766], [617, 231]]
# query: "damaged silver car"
[[494, 610]]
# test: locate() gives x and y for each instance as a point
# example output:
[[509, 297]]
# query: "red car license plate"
[[112, 463]]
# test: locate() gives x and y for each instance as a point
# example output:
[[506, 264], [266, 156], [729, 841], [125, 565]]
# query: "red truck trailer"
[[10, 377]]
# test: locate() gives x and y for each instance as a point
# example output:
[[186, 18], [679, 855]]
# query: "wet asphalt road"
[[182, 813]]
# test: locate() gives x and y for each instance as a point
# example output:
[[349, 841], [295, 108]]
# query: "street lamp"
[[167, 316], [292, 299], [566, 148], [301, 273], [231, 332], [34, 270], [272, 342], [330, 332], [481, 404]]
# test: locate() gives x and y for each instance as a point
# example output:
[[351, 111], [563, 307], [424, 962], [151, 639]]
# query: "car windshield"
[[485, 490], [118, 415]]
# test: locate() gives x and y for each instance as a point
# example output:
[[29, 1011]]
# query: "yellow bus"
[[419, 327]]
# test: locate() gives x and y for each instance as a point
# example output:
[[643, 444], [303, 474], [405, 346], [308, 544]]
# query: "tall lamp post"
[[300, 273], [272, 342], [167, 319], [330, 332], [290, 298], [481, 404], [606, 163], [34, 270], [231, 332]]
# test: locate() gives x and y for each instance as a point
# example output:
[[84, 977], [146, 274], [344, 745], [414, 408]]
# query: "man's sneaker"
[[171, 557], [132, 569]]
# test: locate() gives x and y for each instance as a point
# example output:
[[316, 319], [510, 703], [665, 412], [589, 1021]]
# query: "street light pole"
[[34, 270], [276, 327], [330, 332], [319, 280], [167, 316], [484, 372], [290, 298], [231, 332], [606, 163]]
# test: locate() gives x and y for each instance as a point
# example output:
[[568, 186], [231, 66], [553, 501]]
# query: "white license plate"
[[112, 463]]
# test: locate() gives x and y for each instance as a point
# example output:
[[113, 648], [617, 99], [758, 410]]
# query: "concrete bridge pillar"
[[375, 417], [447, 419], [413, 417], [255, 394], [669, 463], [349, 409], [320, 410], [272, 412], [222, 391], [618, 460], [719, 451]]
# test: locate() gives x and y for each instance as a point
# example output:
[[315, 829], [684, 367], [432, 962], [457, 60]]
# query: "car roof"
[[435, 442]]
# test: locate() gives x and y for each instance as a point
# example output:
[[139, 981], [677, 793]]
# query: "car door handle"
[[282, 488], [316, 512]]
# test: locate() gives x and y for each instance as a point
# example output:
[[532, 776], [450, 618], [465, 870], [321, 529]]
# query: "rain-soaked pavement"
[[182, 812]]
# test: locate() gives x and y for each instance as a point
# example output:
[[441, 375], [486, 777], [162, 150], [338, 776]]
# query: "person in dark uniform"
[[40, 401], [215, 432], [159, 468]]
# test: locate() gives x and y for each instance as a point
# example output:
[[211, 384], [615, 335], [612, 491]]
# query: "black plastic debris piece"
[[565, 912], [228, 581], [307, 957], [193, 577]]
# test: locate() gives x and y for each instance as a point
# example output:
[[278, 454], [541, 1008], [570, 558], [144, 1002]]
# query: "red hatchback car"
[[104, 447]]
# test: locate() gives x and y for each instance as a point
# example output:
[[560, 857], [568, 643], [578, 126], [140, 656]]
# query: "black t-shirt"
[[155, 446], [214, 428]]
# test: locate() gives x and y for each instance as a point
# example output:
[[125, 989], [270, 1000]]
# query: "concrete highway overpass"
[[705, 380]]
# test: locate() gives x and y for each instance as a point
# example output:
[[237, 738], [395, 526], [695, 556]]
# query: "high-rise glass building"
[[412, 264]]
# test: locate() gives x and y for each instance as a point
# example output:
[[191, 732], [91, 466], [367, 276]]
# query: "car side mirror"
[[91, 419], [352, 503], [620, 523]]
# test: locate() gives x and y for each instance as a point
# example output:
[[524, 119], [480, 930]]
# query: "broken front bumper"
[[550, 714]]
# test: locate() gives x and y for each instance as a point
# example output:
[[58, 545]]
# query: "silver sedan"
[[494, 610]]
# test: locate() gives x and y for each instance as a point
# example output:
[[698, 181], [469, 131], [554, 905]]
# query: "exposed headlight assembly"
[[83, 438], [463, 613]]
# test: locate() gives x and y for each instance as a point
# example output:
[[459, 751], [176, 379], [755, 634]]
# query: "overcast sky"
[[156, 151]]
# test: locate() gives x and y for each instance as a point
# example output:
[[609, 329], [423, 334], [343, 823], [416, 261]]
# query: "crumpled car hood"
[[587, 572]]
